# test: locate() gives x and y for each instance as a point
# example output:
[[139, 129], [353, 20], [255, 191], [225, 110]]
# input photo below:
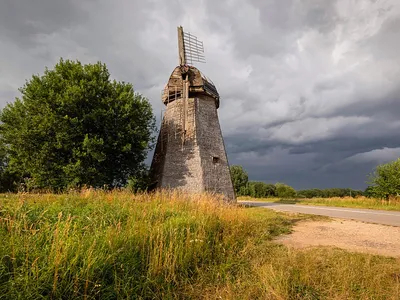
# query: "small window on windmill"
[[215, 159]]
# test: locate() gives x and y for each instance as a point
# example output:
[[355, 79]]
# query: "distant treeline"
[[256, 189], [328, 193], [259, 189]]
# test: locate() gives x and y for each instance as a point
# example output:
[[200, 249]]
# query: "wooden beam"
[[181, 47]]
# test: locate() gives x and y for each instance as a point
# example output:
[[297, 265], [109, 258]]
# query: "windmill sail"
[[190, 48], [194, 49]]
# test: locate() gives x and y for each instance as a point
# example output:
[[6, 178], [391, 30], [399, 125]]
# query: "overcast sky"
[[310, 89]]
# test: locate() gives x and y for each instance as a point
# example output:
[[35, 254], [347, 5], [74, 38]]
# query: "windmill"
[[190, 152]]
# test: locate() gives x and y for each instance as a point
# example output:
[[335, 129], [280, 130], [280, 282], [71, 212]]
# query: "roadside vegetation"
[[357, 202], [116, 245]]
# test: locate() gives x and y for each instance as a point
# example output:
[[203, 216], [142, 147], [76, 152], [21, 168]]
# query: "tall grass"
[[357, 202], [115, 245]]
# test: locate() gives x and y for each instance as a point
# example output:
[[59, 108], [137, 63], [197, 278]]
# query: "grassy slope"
[[116, 245], [360, 202]]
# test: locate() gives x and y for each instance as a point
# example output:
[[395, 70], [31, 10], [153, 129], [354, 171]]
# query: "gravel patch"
[[345, 234]]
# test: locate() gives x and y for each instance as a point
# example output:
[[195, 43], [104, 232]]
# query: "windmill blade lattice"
[[194, 49]]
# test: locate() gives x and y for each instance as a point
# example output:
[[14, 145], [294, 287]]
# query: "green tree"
[[370, 192], [271, 190], [74, 126], [240, 179], [259, 189], [7, 179], [284, 191], [385, 181], [3, 158], [3, 166], [139, 182]]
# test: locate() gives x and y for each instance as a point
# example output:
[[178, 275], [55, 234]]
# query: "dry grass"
[[357, 202], [115, 245]]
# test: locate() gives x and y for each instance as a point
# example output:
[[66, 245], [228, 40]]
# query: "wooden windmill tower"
[[190, 152]]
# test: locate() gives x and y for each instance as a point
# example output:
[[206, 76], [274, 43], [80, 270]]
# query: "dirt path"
[[345, 234]]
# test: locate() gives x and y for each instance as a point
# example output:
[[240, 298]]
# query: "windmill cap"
[[198, 84]]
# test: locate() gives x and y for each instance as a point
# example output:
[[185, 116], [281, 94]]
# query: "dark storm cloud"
[[309, 89], [386, 108]]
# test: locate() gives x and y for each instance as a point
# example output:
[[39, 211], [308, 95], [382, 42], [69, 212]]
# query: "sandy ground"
[[345, 234]]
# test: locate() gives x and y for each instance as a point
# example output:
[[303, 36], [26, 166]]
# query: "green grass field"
[[116, 245], [359, 202]]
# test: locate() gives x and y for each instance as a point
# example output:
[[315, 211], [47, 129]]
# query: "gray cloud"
[[309, 89], [22, 21]]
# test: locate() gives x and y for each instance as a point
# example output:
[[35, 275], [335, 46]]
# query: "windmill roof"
[[198, 83]]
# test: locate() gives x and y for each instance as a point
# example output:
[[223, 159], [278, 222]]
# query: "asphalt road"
[[366, 215]]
